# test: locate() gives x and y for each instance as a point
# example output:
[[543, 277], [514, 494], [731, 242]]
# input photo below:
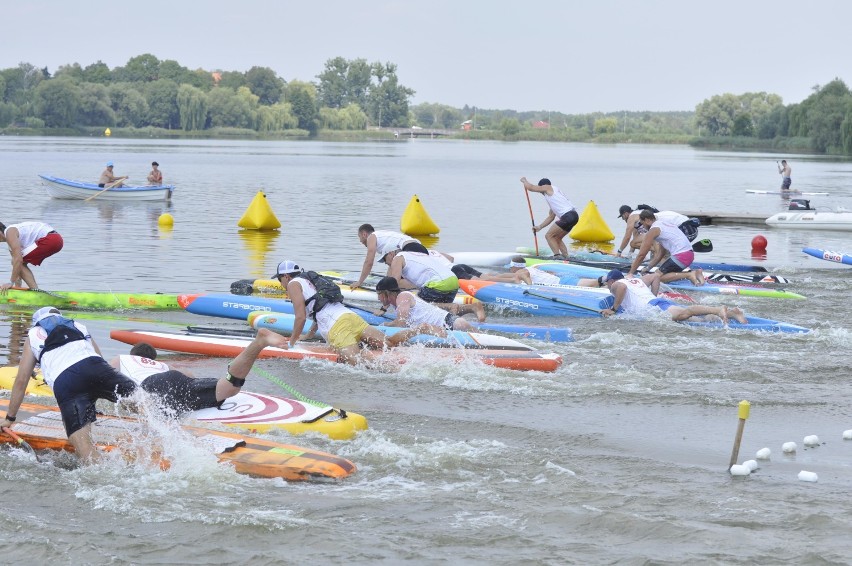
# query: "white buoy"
[[740, 470], [811, 440], [751, 465], [847, 434], [788, 447], [808, 476], [763, 454]]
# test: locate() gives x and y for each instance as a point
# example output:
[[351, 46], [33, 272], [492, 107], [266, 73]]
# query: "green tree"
[[344, 82], [8, 114], [231, 109], [140, 69], [2, 88], [57, 103], [263, 82], [129, 105], [21, 82], [276, 117], [302, 97], [97, 73], [510, 127], [743, 125], [232, 80], [606, 125], [162, 104], [95, 106], [192, 107], [73, 72], [387, 99]]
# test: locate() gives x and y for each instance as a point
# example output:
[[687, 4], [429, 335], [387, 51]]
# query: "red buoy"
[[758, 243]]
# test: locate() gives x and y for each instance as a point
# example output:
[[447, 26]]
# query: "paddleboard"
[[541, 300], [283, 324], [255, 412], [785, 193], [224, 346], [569, 274], [90, 299], [610, 261], [836, 257], [41, 426]]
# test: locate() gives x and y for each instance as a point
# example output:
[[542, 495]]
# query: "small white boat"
[[812, 220], [78, 190]]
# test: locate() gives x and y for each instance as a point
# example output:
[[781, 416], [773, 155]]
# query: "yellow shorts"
[[346, 331]]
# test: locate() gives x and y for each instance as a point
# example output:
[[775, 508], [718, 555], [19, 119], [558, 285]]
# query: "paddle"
[[555, 300], [532, 219], [702, 246], [23, 443], [107, 187], [40, 291]]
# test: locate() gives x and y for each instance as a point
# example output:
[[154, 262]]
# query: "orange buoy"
[[758, 243]]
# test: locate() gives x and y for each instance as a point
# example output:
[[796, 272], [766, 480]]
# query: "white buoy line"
[[788, 448]]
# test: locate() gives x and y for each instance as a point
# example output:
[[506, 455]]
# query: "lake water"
[[619, 457]]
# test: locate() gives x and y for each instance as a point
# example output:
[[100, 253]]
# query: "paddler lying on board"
[[179, 393], [412, 311], [313, 295], [634, 297]]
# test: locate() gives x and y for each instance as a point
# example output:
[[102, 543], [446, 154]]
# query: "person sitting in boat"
[[633, 297], [179, 393], [108, 179], [432, 276], [30, 243], [155, 177], [412, 311], [376, 240], [674, 242], [341, 328], [561, 210]]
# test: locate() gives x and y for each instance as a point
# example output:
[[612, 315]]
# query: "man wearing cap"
[[435, 280], [108, 179], [673, 241], [30, 243], [77, 373], [377, 240], [341, 328], [155, 177], [561, 210], [413, 311], [633, 297]]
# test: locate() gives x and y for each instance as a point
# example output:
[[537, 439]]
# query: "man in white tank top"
[[633, 297], [376, 240], [561, 210], [675, 243], [412, 311], [30, 243]]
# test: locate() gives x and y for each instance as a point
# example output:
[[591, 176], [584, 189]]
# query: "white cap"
[[44, 312], [285, 267], [388, 248]]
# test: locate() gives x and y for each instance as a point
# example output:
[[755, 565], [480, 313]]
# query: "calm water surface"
[[619, 457]]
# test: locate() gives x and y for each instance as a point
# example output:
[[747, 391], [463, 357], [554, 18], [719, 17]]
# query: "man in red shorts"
[[29, 243]]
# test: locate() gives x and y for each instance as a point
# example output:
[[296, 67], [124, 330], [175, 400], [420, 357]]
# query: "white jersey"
[[54, 362], [29, 233], [558, 203], [539, 277], [424, 313], [138, 368], [328, 315], [387, 240], [671, 237], [671, 216], [637, 297], [422, 269]]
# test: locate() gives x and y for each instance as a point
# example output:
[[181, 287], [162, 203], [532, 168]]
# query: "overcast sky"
[[562, 55]]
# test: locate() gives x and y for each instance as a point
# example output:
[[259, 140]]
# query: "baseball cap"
[[387, 284], [388, 248], [515, 263], [286, 267], [43, 313], [614, 275], [622, 209], [109, 164]]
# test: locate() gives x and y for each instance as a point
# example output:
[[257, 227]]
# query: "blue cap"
[[614, 275], [109, 164]]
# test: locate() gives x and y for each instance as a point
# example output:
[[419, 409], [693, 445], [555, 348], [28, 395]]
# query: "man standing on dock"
[[786, 175]]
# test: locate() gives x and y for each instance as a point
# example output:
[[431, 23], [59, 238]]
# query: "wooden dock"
[[727, 218]]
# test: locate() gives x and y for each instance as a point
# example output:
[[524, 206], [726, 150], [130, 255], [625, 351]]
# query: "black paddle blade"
[[702, 246]]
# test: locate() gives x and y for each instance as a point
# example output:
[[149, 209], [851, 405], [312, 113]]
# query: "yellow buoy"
[[591, 227], [107, 132], [166, 220], [416, 221], [259, 215]]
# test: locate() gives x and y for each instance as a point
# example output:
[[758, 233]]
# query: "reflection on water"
[[259, 244]]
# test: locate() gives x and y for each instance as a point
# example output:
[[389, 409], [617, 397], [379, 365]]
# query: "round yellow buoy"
[[107, 132], [166, 220]]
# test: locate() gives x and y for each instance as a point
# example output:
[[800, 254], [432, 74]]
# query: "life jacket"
[[327, 291], [60, 331]]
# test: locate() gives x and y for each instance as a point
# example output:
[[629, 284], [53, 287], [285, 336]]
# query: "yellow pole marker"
[[743, 411]]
